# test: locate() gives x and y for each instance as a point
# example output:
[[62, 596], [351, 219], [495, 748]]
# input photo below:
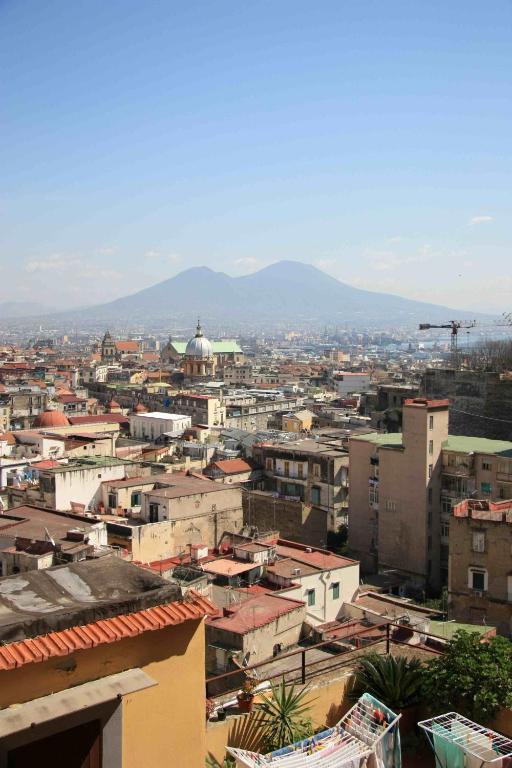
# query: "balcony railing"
[[460, 470]]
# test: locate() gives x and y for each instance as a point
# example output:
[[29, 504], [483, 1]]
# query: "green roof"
[[447, 629], [224, 347], [458, 443], [383, 439], [463, 444]]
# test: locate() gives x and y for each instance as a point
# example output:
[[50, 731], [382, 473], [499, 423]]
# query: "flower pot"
[[221, 714], [245, 703]]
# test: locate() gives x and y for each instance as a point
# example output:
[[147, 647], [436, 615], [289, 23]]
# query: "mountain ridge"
[[286, 291]]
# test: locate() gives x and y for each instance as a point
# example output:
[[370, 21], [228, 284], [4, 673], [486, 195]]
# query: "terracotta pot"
[[245, 704]]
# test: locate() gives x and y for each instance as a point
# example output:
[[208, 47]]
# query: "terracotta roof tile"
[[103, 631]]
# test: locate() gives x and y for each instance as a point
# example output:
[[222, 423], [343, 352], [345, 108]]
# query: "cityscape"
[[255, 473]]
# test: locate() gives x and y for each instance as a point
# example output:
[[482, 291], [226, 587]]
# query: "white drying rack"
[[474, 739], [355, 736]]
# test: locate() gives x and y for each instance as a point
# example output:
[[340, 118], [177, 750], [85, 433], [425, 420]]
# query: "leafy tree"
[[396, 681], [283, 717], [472, 677]]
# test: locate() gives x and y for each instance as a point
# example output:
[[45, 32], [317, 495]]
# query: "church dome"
[[199, 346], [51, 418]]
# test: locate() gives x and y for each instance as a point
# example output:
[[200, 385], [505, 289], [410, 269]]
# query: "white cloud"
[[247, 262], [480, 220], [107, 250], [57, 262]]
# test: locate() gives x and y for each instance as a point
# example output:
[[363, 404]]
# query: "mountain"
[[280, 294]]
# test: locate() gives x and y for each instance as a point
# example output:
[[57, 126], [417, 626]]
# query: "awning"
[[18, 717]]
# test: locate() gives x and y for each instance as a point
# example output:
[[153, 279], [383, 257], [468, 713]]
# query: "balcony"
[[459, 470]]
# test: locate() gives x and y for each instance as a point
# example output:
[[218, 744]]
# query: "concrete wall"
[[294, 520], [473, 392], [493, 607], [328, 703], [83, 485]]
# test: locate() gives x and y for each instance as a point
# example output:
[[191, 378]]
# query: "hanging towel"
[[448, 754]]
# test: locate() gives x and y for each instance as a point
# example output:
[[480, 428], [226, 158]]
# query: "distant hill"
[[283, 293], [22, 309]]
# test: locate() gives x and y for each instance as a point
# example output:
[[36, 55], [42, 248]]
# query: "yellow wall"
[[329, 703], [160, 724]]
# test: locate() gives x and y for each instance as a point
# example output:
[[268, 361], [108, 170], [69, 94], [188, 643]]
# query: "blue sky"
[[371, 138]]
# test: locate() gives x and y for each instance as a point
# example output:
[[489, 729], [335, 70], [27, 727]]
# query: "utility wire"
[[480, 416]]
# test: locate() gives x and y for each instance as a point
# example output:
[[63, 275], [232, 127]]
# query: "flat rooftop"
[[38, 602], [189, 485], [457, 443], [89, 462], [225, 567], [162, 415]]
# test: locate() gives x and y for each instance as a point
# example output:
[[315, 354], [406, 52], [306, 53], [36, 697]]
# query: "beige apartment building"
[[480, 564], [403, 488], [309, 471], [180, 511]]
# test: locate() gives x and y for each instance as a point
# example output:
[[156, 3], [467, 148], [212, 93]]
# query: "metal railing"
[[305, 670]]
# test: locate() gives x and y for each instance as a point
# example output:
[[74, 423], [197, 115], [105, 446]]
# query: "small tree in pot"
[[246, 696]]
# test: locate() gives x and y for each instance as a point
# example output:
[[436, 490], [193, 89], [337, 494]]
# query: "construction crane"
[[454, 326]]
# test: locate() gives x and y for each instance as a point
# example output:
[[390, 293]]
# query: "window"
[[430, 468], [112, 500], [153, 513], [509, 588], [486, 466], [316, 470], [287, 468], [269, 465], [390, 505], [486, 487], [135, 499], [336, 590], [446, 506], [429, 493], [430, 447], [478, 541], [373, 494], [477, 579], [429, 543], [445, 530], [311, 597], [431, 422], [315, 495], [300, 471]]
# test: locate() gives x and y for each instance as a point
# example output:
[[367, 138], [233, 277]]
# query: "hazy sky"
[[369, 137]]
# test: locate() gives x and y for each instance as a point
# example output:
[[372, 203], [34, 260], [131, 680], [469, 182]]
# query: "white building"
[[348, 383], [319, 578], [151, 426]]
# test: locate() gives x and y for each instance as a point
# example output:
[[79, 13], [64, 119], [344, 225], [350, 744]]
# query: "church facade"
[[200, 357]]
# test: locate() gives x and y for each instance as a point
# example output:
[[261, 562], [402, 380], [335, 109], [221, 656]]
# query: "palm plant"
[[284, 716], [396, 681]]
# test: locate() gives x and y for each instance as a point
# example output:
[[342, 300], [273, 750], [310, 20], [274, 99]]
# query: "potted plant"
[[246, 696], [396, 681], [210, 708], [285, 715]]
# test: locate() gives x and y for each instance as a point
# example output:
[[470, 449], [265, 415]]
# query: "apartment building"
[[311, 471], [202, 409], [403, 487], [179, 512], [151, 426], [480, 564]]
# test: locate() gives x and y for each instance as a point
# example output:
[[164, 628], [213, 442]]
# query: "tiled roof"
[[232, 466], [104, 631]]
